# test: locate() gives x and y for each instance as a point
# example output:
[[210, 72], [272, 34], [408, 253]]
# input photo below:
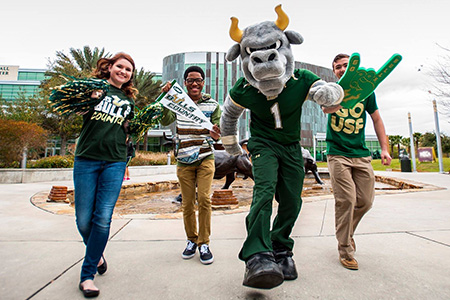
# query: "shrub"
[[56, 161], [144, 158], [15, 136]]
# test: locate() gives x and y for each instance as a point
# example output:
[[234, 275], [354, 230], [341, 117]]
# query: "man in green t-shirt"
[[351, 172]]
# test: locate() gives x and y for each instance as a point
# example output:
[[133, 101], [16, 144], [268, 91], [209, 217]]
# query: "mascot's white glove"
[[326, 93], [228, 127]]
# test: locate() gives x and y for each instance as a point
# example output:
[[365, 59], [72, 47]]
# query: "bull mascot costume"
[[274, 93]]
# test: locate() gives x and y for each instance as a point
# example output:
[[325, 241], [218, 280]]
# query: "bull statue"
[[226, 165], [310, 165], [274, 92], [229, 166]]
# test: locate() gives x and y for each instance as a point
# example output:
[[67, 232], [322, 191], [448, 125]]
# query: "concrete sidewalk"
[[403, 251]]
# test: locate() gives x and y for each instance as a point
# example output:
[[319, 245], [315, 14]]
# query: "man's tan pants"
[[353, 183], [190, 177]]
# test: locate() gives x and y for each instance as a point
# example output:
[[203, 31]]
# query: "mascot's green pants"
[[277, 170]]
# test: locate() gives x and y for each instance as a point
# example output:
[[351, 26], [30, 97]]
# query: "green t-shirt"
[[346, 129], [278, 119], [103, 135]]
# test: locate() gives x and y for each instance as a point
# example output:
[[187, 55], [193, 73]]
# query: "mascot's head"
[[265, 50]]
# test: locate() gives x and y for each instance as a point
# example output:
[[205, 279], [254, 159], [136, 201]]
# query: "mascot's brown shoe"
[[350, 264], [262, 271]]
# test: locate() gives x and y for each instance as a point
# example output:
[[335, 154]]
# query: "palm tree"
[[79, 63], [416, 137], [395, 140], [406, 142], [86, 59], [149, 90]]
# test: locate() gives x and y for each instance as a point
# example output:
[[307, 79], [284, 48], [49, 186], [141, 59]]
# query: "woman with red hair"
[[100, 161]]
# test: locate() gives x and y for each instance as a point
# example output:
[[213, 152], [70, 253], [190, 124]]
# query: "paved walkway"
[[403, 250]]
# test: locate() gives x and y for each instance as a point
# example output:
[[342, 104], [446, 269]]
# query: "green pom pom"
[[75, 95], [146, 118]]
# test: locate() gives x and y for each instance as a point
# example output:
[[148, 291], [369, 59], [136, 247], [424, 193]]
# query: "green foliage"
[[28, 109], [78, 64], [148, 89], [148, 92], [142, 158], [406, 142], [416, 137], [56, 161], [445, 143], [395, 165], [15, 137], [428, 139], [86, 59], [395, 140]]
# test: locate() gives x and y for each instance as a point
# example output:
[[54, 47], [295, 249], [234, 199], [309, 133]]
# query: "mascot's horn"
[[282, 23], [235, 32], [283, 20]]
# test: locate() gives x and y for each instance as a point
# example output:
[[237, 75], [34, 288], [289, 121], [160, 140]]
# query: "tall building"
[[218, 79], [313, 120], [18, 82]]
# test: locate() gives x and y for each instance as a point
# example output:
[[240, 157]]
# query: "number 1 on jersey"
[[275, 110]]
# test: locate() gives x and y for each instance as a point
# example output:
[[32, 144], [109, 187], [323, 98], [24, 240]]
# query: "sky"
[[32, 31]]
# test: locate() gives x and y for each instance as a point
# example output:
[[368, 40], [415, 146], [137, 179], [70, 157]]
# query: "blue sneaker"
[[189, 252], [206, 256]]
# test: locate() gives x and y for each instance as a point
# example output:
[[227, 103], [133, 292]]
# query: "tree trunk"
[[62, 150], [145, 141]]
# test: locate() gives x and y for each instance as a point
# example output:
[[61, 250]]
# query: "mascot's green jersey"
[[103, 135], [278, 119], [345, 129]]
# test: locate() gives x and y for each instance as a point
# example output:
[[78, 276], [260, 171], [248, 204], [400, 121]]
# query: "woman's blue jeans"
[[97, 187]]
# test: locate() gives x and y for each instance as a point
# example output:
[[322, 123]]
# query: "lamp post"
[[411, 138], [438, 138]]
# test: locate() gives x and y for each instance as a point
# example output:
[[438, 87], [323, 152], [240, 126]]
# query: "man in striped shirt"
[[195, 163]]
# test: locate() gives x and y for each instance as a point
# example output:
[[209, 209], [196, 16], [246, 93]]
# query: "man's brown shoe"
[[353, 245], [350, 264]]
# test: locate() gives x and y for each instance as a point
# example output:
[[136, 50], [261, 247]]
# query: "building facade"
[[16, 83], [320, 148]]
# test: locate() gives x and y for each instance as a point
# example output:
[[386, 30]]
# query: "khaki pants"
[[201, 177], [353, 183]]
